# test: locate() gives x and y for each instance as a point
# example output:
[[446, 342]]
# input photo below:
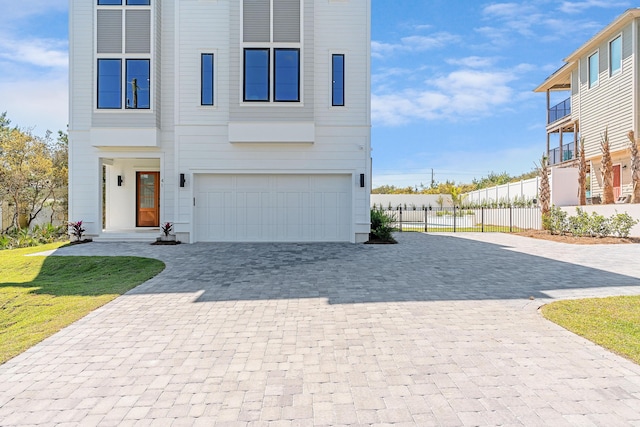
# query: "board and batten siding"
[[609, 105]]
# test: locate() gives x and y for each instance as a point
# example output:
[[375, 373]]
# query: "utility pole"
[[433, 183]]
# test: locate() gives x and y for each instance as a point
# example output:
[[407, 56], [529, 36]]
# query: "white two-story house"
[[597, 90], [235, 120]]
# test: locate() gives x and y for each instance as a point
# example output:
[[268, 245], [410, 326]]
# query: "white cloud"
[[573, 7], [413, 44], [465, 93], [472, 61], [41, 103], [38, 52], [12, 10]]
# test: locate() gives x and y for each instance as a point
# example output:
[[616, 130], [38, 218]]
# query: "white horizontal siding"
[[204, 28], [609, 105]]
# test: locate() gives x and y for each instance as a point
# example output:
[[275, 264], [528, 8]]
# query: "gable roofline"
[[604, 34], [560, 80]]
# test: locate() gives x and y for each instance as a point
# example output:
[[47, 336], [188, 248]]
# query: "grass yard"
[[613, 323], [41, 295]]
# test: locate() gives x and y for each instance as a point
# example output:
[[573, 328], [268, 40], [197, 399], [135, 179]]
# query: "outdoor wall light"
[[182, 180], [362, 180], [120, 180], [624, 166]]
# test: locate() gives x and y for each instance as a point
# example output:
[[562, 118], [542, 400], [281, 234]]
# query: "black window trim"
[[275, 75], [126, 83], [244, 74], [333, 80], [98, 84], [213, 79]]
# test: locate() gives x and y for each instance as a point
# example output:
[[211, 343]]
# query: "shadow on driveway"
[[420, 268]]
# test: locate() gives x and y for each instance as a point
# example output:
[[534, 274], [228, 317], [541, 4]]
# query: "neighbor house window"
[[337, 80], [128, 2], [109, 83], [256, 74], [206, 79], [594, 69], [615, 55], [138, 84]]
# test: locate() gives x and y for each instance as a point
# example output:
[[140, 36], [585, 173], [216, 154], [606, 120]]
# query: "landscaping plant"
[[582, 175], [606, 171], [545, 188], [381, 227], [635, 167], [76, 230]]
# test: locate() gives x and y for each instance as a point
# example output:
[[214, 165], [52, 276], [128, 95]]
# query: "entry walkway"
[[437, 330]]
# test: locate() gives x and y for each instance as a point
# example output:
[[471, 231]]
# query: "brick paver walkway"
[[438, 330]]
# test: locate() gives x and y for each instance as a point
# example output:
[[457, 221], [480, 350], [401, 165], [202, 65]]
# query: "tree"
[[606, 171], [635, 167], [545, 188], [582, 175], [31, 170]]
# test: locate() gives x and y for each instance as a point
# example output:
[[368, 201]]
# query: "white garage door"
[[273, 208]]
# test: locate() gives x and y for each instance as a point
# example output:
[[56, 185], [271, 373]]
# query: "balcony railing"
[[558, 155], [559, 111]]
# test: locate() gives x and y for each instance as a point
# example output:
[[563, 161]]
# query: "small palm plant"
[[606, 171], [582, 175], [635, 167], [545, 188]]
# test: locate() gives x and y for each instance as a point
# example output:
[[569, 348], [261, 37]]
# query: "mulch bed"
[[545, 235]]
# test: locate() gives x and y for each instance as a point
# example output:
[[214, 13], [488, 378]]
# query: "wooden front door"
[[617, 181], [147, 199]]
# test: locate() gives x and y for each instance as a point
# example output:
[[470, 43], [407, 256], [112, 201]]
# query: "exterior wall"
[[193, 139]]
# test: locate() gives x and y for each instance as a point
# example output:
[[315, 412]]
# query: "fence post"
[[510, 219], [400, 208], [482, 217], [426, 228], [454, 218]]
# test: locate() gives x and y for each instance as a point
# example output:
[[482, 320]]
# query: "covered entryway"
[[275, 208]]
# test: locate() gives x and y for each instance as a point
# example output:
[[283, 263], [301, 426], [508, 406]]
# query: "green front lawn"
[[613, 323], [41, 295]]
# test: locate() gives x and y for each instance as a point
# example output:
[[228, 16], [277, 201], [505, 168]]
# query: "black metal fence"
[[510, 219]]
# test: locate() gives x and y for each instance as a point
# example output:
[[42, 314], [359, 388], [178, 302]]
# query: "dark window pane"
[[109, 83], [337, 97], [287, 75], [109, 2], [138, 95], [256, 74], [207, 79], [138, 2]]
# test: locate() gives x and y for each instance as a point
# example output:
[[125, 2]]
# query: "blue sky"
[[452, 80]]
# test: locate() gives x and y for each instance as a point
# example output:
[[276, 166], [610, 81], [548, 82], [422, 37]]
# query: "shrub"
[[621, 224], [38, 235], [77, 230], [582, 224], [381, 226]]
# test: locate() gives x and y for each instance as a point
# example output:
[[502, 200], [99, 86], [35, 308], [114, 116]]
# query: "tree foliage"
[[33, 171]]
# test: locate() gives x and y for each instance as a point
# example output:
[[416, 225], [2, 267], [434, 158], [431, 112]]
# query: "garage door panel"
[[273, 208]]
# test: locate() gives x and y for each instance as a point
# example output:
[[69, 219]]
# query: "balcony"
[[559, 111], [564, 154]]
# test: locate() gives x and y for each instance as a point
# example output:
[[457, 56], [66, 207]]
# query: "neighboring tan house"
[[600, 81], [236, 120]]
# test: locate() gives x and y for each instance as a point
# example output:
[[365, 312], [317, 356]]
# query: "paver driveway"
[[438, 330]]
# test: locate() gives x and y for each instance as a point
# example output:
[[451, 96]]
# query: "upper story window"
[[206, 79], [615, 56], [123, 53], [594, 69], [128, 2], [337, 80], [271, 45]]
